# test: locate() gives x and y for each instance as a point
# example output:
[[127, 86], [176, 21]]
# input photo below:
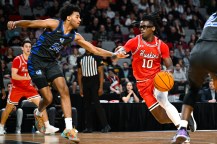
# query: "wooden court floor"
[[147, 137]]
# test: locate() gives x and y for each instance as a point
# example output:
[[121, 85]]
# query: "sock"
[[47, 124], [38, 113], [183, 123], [68, 122]]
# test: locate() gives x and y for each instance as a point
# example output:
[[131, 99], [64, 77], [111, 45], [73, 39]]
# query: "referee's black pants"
[[91, 101]]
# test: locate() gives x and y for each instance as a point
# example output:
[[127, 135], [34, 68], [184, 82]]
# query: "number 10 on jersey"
[[147, 63]]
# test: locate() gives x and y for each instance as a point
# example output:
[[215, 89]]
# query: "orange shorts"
[[146, 90], [17, 93]]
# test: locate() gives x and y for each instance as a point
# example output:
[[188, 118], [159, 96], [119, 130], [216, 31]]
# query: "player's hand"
[[11, 25]]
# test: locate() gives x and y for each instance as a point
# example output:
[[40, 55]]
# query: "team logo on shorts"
[[38, 72]]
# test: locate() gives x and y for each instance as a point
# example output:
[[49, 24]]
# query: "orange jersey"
[[146, 56], [21, 64]]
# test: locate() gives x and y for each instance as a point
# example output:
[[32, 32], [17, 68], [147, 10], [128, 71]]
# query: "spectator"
[[209, 95], [53, 11], [179, 75], [186, 58], [128, 73], [72, 58], [179, 51], [5, 71], [115, 86], [9, 55], [39, 9], [101, 34], [130, 95], [117, 34], [174, 58], [93, 27], [131, 19]]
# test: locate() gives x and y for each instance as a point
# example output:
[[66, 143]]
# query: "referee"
[[90, 80]]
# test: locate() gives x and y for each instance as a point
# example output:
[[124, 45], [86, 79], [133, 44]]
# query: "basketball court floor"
[[146, 137]]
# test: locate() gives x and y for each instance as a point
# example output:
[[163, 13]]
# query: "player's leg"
[[146, 92], [62, 88], [171, 111], [13, 99], [19, 115], [49, 129], [54, 74], [196, 77], [9, 107]]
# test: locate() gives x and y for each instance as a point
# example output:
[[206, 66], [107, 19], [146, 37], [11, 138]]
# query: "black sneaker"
[[106, 129], [87, 130], [192, 123]]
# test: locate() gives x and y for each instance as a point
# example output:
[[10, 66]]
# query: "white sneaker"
[[2, 131], [51, 130]]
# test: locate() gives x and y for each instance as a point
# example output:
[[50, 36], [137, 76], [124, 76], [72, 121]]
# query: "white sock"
[[47, 124], [38, 113], [68, 122], [183, 123]]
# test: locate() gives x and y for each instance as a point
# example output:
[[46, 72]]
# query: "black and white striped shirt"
[[89, 64]]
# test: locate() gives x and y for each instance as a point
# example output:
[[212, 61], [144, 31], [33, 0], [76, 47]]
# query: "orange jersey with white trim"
[[146, 56], [21, 64]]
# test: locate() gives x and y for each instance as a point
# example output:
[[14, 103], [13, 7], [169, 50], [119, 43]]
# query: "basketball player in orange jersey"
[[147, 51], [22, 87]]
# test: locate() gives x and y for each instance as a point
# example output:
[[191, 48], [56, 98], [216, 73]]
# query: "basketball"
[[163, 81]]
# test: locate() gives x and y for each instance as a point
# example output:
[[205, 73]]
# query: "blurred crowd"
[[110, 21]]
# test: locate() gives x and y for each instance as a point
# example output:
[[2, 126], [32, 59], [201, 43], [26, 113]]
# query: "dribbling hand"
[[11, 25]]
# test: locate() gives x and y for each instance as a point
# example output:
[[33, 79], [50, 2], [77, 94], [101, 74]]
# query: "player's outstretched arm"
[[48, 23], [96, 50]]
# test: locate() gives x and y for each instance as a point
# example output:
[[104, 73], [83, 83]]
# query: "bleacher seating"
[[108, 45]]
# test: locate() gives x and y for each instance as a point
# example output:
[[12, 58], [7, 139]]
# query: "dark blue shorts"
[[43, 71]]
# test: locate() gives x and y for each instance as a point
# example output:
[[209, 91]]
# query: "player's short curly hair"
[[67, 10]]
